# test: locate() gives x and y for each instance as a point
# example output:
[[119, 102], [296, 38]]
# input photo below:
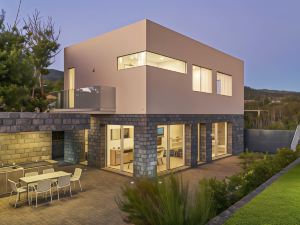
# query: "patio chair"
[[63, 183], [14, 189], [43, 187], [31, 185], [50, 170], [76, 177]]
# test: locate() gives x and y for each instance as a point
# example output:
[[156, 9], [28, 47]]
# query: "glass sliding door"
[[162, 146], [84, 153], [170, 147], [219, 139], [120, 147]]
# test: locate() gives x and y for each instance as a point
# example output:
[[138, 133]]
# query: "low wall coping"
[[12, 122]]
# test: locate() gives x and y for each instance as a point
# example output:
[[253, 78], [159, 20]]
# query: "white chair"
[[160, 155], [63, 183], [43, 187], [14, 189], [76, 177], [30, 174], [50, 170]]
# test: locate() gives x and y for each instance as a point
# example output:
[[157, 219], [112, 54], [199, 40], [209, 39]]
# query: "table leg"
[[28, 194]]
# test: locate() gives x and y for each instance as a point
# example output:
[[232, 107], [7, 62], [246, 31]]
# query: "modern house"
[[140, 100], [158, 100]]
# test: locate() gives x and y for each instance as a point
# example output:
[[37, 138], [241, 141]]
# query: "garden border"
[[225, 215]]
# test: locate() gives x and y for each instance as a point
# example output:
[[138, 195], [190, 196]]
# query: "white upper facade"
[[158, 71]]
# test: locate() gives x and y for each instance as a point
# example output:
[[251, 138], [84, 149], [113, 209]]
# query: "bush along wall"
[[256, 169], [168, 201]]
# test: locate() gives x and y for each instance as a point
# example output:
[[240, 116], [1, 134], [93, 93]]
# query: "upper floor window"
[[224, 84], [151, 59], [71, 99], [202, 79]]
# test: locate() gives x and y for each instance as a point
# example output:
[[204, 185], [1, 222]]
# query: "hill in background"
[[252, 94], [54, 80], [54, 75], [271, 109]]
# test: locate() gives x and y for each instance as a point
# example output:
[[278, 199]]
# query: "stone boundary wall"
[[222, 217], [12, 122], [261, 140]]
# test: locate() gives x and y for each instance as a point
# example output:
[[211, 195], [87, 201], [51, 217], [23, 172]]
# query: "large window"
[[224, 84], [71, 87], [219, 139], [170, 146], [120, 147], [151, 59], [202, 79]]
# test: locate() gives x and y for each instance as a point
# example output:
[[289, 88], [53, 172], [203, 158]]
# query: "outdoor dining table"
[[36, 178]]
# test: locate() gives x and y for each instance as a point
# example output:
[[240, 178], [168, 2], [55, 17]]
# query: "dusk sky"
[[265, 34]]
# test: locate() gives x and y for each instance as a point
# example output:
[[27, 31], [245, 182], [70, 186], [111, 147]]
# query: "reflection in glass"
[[219, 139], [170, 147], [120, 147], [151, 59]]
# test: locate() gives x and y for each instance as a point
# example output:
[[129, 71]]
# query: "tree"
[[42, 45], [15, 69], [24, 58]]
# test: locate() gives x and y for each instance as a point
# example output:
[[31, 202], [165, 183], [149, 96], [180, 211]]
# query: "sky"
[[265, 34]]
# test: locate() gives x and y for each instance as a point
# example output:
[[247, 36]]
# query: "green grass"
[[278, 204]]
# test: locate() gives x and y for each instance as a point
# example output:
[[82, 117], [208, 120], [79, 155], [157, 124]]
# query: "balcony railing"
[[95, 98]]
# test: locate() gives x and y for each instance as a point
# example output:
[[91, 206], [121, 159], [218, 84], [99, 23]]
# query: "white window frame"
[[198, 87], [145, 62], [224, 87]]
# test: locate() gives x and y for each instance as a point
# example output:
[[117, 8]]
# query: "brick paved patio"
[[95, 205]]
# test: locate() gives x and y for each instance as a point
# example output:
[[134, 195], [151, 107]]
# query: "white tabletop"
[[45, 176]]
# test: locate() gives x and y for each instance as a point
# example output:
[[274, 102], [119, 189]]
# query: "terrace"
[[95, 204], [96, 99]]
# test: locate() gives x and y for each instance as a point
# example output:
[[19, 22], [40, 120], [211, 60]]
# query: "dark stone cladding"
[[11, 122], [144, 119], [73, 145], [145, 137]]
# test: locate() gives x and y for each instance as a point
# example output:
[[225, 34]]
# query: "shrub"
[[219, 193], [248, 158], [235, 188], [257, 168], [284, 156], [166, 202], [297, 152], [202, 208], [256, 175]]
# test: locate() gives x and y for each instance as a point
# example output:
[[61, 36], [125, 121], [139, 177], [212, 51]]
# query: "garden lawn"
[[277, 204]]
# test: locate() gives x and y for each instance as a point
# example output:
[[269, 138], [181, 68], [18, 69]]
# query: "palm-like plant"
[[165, 202]]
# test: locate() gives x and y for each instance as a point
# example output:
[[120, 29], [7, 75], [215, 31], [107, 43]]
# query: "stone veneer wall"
[[145, 137], [26, 136], [74, 144], [25, 146], [145, 151], [12, 122], [96, 143]]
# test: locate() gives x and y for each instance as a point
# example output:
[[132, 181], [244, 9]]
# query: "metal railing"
[[296, 138], [95, 98]]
